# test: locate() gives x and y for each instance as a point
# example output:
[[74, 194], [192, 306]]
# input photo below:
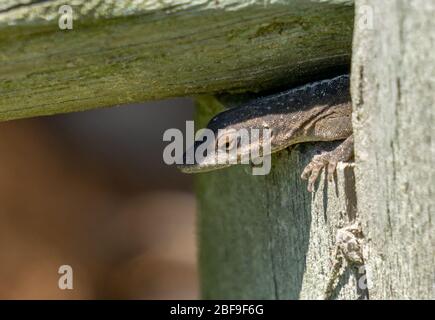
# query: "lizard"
[[317, 111]]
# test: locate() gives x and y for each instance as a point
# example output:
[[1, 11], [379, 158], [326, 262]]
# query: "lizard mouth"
[[192, 162], [196, 168], [213, 159]]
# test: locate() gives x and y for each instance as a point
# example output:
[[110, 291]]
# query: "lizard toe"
[[332, 166], [329, 161], [312, 171], [314, 168], [306, 173]]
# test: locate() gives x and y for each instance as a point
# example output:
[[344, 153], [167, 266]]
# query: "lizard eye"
[[227, 141], [270, 130]]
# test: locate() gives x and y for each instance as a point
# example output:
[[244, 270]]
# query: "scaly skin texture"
[[318, 111]]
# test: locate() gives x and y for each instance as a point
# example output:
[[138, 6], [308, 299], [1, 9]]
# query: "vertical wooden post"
[[393, 92]]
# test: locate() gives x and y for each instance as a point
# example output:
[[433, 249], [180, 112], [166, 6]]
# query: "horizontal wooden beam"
[[121, 52]]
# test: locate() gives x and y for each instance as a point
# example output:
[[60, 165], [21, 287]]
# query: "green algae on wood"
[[123, 52]]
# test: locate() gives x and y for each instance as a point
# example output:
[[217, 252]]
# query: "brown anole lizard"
[[317, 111]]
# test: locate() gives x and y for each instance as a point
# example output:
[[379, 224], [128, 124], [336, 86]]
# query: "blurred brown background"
[[90, 190]]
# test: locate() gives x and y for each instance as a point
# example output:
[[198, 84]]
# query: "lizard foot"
[[327, 160]]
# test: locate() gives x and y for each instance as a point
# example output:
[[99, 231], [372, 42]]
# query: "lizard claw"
[[313, 169], [327, 160]]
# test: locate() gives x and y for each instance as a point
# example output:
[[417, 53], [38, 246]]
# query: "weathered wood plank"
[[130, 51], [394, 98]]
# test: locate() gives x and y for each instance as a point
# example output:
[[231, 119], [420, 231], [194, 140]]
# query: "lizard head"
[[318, 111], [229, 138]]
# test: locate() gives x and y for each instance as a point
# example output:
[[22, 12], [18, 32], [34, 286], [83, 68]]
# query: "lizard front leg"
[[327, 160]]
